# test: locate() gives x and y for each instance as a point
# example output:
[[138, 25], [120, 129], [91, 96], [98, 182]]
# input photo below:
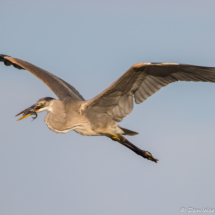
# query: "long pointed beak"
[[26, 112], [24, 117]]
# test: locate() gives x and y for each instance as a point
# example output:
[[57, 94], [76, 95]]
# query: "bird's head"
[[41, 105]]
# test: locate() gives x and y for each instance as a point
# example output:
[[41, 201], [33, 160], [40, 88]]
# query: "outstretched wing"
[[141, 81], [57, 85]]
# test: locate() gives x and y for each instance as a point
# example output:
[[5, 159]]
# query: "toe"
[[149, 156]]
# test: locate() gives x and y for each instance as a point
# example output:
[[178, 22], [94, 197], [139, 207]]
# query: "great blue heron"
[[98, 116]]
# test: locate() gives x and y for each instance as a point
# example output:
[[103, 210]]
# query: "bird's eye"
[[42, 104]]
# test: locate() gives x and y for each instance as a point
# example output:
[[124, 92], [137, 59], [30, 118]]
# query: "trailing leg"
[[135, 149]]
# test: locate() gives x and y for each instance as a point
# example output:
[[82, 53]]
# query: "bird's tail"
[[128, 132]]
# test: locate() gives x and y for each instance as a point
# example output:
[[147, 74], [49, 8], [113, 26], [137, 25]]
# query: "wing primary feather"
[[61, 88], [138, 97], [150, 86], [154, 83]]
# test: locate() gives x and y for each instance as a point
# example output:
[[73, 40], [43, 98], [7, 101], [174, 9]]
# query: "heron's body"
[[71, 119], [99, 116]]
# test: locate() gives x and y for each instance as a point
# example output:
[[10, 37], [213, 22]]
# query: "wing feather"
[[61, 88], [140, 82]]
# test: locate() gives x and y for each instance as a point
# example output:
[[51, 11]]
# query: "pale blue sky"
[[90, 44]]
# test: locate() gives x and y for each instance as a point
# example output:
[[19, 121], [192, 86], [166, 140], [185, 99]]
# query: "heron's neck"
[[64, 117], [56, 118]]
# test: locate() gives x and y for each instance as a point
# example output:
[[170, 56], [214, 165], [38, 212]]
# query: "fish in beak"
[[30, 111]]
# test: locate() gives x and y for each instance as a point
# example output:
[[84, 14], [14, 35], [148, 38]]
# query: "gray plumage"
[[99, 115]]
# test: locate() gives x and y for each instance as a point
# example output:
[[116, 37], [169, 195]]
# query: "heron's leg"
[[131, 146]]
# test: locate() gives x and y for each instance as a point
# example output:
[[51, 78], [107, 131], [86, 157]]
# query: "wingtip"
[[2, 56], [7, 62]]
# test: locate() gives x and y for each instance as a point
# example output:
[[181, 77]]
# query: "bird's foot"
[[148, 156]]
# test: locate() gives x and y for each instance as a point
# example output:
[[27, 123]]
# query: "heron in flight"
[[99, 116]]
